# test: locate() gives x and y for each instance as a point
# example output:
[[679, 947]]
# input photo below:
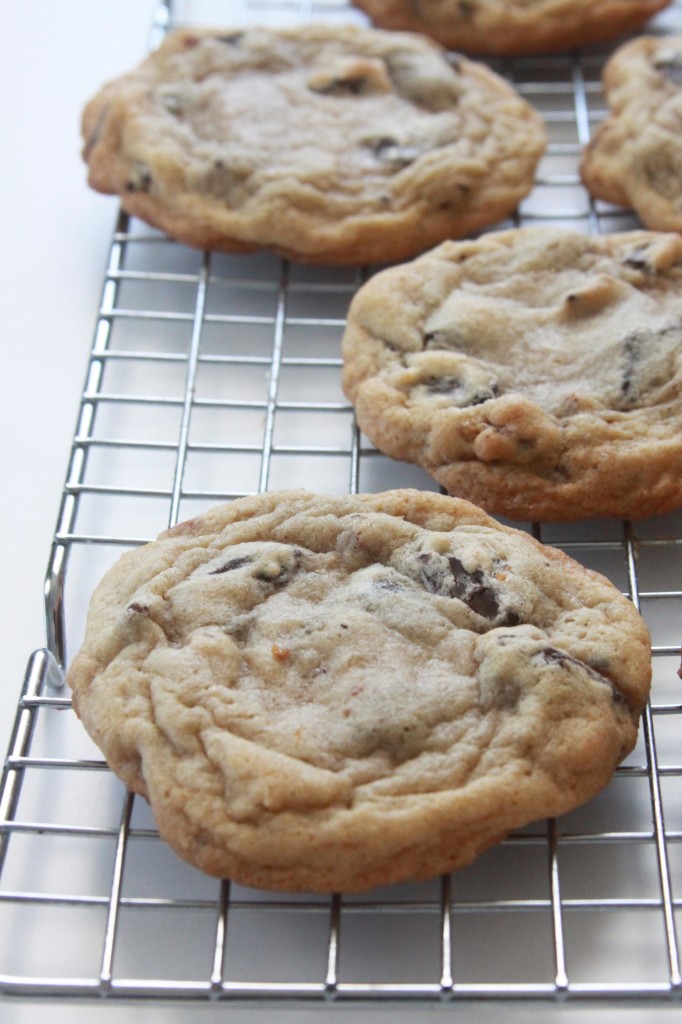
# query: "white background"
[[54, 243]]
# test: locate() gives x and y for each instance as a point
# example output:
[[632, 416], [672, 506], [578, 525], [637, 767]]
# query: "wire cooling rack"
[[212, 377]]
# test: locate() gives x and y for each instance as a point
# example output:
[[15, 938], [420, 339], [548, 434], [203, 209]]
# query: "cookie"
[[535, 372], [634, 158], [508, 28], [331, 693], [327, 144]]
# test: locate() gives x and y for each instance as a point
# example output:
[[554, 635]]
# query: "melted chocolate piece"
[[442, 385], [473, 588], [646, 363], [390, 151], [553, 656], [277, 581], [470, 587], [638, 260], [285, 571], [231, 38], [632, 352], [481, 395], [434, 339], [140, 181], [351, 85], [455, 387], [388, 585], [235, 563], [671, 69]]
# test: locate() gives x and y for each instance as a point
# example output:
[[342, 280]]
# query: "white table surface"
[[55, 238]]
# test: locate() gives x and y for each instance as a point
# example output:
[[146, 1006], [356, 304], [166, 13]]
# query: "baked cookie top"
[[635, 156], [513, 27], [331, 693], [323, 143], [535, 372]]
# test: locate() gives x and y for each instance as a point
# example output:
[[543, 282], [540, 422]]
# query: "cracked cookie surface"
[[323, 143], [331, 693], [513, 27], [535, 372], [635, 156]]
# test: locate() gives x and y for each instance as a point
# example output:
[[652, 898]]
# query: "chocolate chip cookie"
[[513, 27], [635, 157], [332, 144], [331, 693], [535, 372]]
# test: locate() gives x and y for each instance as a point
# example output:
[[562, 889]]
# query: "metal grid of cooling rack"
[[212, 377]]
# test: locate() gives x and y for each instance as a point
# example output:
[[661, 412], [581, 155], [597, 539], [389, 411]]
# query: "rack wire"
[[211, 377]]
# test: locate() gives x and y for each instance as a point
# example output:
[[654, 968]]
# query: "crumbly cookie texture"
[[634, 158], [330, 693], [513, 27], [333, 144], [535, 372]]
